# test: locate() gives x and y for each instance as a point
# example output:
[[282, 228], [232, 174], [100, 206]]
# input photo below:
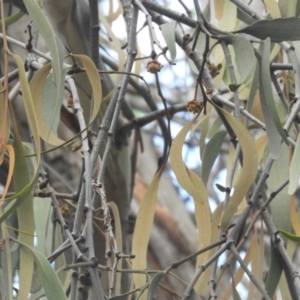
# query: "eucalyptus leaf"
[[154, 285], [47, 276], [211, 152], [294, 173], [274, 272], [278, 30], [168, 32], [290, 236], [274, 129], [244, 56]]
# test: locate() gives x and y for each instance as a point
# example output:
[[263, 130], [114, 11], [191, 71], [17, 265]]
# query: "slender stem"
[[250, 275]]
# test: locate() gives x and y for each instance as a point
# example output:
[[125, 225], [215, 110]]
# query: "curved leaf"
[[168, 32], [37, 87], [28, 103], [273, 125], [248, 172], [211, 152], [47, 33], [181, 171], [51, 284], [142, 231], [294, 169], [244, 55], [274, 272], [278, 30], [95, 82], [195, 187], [290, 236], [25, 215], [154, 285]]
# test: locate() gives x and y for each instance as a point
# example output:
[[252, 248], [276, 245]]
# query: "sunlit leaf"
[[273, 8], [142, 231], [180, 170], [228, 20], [248, 172], [168, 32], [195, 187], [95, 82], [277, 30]]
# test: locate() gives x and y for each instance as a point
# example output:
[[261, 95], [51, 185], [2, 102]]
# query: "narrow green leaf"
[[294, 173], [51, 284], [273, 125], [280, 205], [290, 236], [244, 56], [12, 19], [154, 285], [274, 272], [277, 30], [168, 32], [211, 152]]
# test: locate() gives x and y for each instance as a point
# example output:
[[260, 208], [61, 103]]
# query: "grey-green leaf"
[[153, 285], [212, 150], [294, 169], [274, 273], [278, 30], [168, 32], [47, 276], [275, 131], [244, 55], [50, 107], [47, 33]]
